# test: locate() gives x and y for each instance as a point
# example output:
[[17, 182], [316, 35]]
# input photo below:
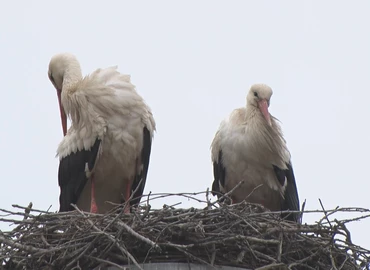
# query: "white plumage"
[[249, 146], [111, 127]]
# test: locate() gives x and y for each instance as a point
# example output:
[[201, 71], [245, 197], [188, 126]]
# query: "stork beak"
[[63, 116], [264, 108]]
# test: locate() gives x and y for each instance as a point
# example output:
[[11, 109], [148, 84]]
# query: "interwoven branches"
[[243, 235]]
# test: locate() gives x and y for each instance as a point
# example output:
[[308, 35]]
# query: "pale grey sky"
[[193, 62]]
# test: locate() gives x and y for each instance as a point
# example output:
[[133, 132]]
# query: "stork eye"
[[255, 94]]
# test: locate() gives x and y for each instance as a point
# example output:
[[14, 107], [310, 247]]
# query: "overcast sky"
[[193, 62]]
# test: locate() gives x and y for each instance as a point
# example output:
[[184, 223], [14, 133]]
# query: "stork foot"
[[127, 196]]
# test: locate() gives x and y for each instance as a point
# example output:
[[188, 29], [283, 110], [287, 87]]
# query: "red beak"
[[63, 115], [264, 108]]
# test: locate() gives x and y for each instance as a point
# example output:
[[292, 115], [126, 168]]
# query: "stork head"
[[62, 67], [259, 96]]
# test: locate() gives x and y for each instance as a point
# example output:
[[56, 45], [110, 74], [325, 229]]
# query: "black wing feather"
[[291, 200], [72, 176], [219, 174], [140, 179]]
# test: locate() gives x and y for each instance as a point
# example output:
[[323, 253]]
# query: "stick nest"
[[242, 235]]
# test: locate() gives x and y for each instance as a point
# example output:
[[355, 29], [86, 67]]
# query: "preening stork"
[[104, 156], [249, 147]]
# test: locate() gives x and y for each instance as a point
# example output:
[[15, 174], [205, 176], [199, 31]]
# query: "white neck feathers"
[[266, 141]]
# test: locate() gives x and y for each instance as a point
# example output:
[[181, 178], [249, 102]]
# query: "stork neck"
[[72, 75], [267, 140], [252, 112]]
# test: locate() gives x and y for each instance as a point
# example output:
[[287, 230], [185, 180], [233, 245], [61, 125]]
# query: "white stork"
[[249, 147], [104, 156]]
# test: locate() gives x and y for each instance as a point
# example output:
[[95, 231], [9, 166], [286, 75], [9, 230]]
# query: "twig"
[[112, 239], [230, 192], [326, 213], [138, 236], [244, 235], [271, 266]]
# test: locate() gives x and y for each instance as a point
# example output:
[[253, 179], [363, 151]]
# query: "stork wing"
[[74, 171], [139, 182], [291, 200], [219, 173]]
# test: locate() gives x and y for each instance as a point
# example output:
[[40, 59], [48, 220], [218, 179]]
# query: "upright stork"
[[104, 156], [249, 147]]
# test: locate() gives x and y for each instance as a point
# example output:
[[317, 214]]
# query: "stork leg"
[[93, 206], [127, 197]]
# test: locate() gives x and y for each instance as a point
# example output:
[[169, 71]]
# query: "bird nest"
[[243, 235]]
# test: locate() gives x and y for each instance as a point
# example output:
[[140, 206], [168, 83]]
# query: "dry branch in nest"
[[243, 235]]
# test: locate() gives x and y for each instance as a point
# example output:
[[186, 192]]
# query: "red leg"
[[127, 197], [93, 206]]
